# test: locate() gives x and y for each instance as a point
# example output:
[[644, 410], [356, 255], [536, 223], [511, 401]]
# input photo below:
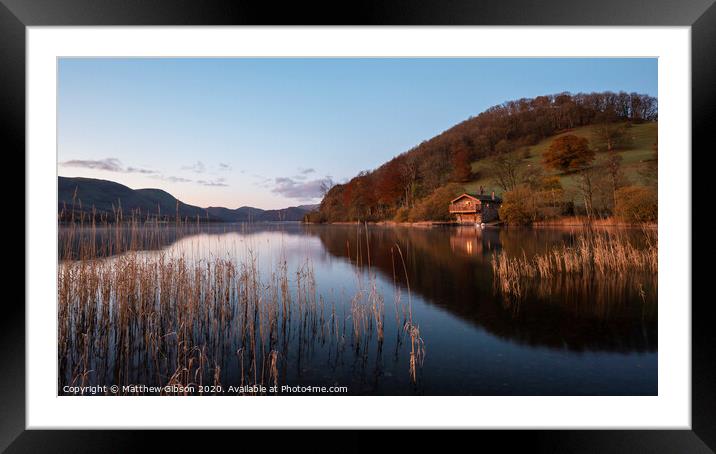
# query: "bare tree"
[[326, 185], [610, 132], [504, 169], [586, 187], [615, 176]]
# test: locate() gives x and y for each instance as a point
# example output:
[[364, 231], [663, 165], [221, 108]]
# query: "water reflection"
[[450, 267], [561, 339]]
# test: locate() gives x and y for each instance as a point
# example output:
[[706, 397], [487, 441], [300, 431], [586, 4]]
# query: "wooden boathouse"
[[473, 208]]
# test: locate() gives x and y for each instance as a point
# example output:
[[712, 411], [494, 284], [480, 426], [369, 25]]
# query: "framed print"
[[446, 218]]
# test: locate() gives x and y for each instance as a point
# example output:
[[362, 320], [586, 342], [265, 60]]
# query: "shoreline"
[[575, 221]]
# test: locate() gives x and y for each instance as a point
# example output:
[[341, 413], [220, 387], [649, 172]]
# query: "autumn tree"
[[408, 169], [637, 204], [435, 206], [435, 169], [568, 152], [389, 186], [462, 169], [363, 198], [504, 146], [518, 206]]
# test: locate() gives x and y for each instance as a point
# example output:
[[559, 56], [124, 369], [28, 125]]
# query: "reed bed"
[[593, 253], [157, 319], [95, 236]]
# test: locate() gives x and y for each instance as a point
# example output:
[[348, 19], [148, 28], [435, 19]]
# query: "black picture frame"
[[700, 15]]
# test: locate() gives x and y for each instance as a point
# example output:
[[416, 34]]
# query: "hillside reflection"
[[451, 267]]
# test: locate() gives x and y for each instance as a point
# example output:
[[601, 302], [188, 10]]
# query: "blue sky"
[[266, 132]]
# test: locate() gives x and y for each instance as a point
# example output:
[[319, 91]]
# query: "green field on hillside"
[[634, 158]]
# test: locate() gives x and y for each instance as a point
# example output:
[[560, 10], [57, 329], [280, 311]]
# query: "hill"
[[106, 198], [636, 157], [418, 184]]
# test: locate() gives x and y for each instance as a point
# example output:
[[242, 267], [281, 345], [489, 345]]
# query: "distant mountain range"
[[106, 197]]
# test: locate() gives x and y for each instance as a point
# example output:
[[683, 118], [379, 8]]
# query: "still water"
[[566, 337]]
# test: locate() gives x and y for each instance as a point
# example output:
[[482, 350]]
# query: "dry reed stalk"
[[128, 317], [595, 253], [417, 346]]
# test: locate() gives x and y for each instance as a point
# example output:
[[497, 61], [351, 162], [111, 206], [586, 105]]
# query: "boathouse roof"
[[480, 197]]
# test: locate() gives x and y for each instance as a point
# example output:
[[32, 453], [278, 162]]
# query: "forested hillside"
[[507, 149]]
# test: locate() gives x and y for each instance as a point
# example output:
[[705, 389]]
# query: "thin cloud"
[[301, 190], [172, 179], [138, 170], [107, 164], [224, 167], [219, 182], [262, 181], [303, 173], [197, 167]]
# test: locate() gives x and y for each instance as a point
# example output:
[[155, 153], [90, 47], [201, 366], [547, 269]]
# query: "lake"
[[565, 336]]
